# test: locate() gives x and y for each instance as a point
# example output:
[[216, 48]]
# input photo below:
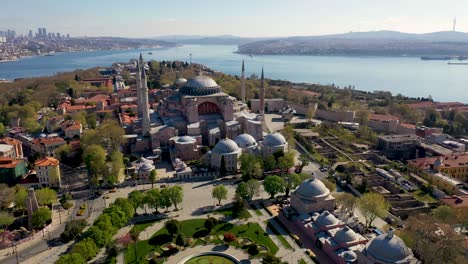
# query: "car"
[[113, 190], [162, 186]]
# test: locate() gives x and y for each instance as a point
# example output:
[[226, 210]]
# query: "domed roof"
[[312, 188], [200, 85], [349, 256], [146, 167], [345, 235], [185, 139], [273, 140], [142, 160], [226, 146], [388, 248], [326, 219], [245, 140]]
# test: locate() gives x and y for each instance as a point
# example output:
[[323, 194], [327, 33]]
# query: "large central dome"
[[311, 188], [199, 86], [389, 248]]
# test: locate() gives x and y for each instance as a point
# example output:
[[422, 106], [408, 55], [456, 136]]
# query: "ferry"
[[52, 53]]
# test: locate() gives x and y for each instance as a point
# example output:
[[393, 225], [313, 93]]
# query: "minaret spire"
[[243, 83], [262, 95], [145, 118]]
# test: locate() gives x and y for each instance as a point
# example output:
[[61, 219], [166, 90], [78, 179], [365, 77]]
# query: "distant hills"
[[382, 43], [208, 40]]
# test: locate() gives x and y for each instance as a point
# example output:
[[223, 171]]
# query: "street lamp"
[[16, 252]]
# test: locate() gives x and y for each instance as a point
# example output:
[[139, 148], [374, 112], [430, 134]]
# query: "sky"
[[247, 18]]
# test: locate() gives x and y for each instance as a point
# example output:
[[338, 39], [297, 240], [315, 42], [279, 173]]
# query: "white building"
[[228, 150], [48, 172], [272, 143]]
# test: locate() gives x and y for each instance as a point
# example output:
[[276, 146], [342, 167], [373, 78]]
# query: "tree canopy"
[[373, 205]]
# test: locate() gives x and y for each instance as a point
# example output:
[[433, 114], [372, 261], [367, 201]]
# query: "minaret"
[[145, 118], [262, 96], [138, 84], [243, 82]]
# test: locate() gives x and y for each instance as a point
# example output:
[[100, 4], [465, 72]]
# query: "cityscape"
[[156, 160]]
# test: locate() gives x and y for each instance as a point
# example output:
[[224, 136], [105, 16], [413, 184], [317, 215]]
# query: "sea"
[[409, 76]]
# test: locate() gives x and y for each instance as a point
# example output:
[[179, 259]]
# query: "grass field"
[[195, 229], [210, 259], [279, 236]]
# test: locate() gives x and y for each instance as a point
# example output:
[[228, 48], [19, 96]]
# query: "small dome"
[[185, 139], [274, 140], [142, 161], [388, 248], [200, 85], [245, 140], [146, 167], [349, 256], [226, 146], [312, 188], [326, 219], [345, 235]]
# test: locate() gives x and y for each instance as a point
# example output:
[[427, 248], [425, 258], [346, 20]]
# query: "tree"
[[180, 240], [153, 177], [172, 226], [373, 205], [116, 168], [2, 129], [304, 160], [86, 248], [239, 208], [134, 233], [210, 222], [176, 195], [20, 197], [242, 191], [7, 196], [220, 193], [153, 199], [250, 167], [126, 206], [444, 246], [46, 196], [94, 157], [72, 230], [253, 188], [41, 217], [269, 163], [136, 199], [269, 258], [292, 180], [73, 258], [347, 201], [222, 167], [6, 219], [286, 162], [273, 185], [444, 214], [165, 199], [329, 184]]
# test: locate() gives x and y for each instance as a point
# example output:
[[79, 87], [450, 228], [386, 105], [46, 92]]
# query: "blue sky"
[[149, 18]]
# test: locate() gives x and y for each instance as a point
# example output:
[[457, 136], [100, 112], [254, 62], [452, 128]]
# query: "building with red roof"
[[48, 172]]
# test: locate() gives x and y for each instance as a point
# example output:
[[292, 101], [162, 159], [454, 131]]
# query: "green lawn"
[[226, 212], [424, 197], [210, 259], [142, 225], [194, 228], [302, 261], [258, 212]]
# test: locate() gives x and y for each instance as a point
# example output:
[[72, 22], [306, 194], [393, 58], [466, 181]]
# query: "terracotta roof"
[[456, 201], [452, 161], [406, 125], [9, 163], [48, 141], [382, 118], [9, 141], [71, 125], [47, 161]]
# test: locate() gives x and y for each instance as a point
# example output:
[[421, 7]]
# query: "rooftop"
[[383, 118], [398, 138], [47, 161], [454, 160], [456, 201], [9, 163]]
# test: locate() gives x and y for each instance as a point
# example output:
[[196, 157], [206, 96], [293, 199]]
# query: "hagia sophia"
[[195, 113]]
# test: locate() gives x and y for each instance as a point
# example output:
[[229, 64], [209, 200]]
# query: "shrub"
[[72, 230], [73, 258], [180, 240], [252, 250], [86, 248], [229, 237]]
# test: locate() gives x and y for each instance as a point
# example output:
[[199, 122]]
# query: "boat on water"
[[52, 53], [457, 63], [150, 53], [444, 58]]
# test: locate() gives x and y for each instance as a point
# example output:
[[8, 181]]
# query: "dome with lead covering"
[[389, 249], [345, 235], [245, 141], [186, 139], [312, 188], [226, 146], [274, 140], [327, 219], [199, 86], [146, 167], [180, 81]]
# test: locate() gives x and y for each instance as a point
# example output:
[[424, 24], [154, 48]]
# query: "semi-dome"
[[200, 85], [245, 141], [345, 235], [146, 167], [327, 219], [186, 139], [273, 140], [312, 188], [389, 248], [226, 146]]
